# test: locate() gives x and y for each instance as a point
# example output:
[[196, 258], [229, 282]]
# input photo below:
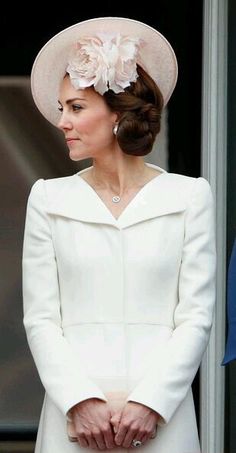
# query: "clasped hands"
[[99, 427]]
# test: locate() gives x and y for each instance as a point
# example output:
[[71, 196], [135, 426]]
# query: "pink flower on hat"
[[105, 62]]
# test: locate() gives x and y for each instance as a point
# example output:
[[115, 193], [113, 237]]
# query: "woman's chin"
[[78, 156]]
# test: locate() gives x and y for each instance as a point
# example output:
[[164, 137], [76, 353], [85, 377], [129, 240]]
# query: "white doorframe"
[[214, 166]]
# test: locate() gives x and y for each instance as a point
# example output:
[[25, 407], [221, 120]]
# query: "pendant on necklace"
[[116, 199]]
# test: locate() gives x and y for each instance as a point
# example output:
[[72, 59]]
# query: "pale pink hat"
[[50, 65]]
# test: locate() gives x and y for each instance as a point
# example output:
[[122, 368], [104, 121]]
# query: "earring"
[[115, 129]]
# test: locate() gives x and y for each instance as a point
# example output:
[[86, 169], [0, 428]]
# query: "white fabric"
[[119, 305]]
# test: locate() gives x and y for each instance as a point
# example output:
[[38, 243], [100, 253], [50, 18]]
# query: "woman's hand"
[[134, 421], [91, 419]]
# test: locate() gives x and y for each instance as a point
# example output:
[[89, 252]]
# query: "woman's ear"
[[116, 117]]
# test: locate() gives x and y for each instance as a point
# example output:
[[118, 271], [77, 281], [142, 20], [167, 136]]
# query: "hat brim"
[[49, 67]]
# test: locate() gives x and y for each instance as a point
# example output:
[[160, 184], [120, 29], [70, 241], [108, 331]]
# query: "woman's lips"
[[71, 140]]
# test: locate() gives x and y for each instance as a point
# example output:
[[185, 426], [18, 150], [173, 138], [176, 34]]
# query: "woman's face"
[[86, 122]]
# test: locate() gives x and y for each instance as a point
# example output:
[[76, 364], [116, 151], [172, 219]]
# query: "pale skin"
[[87, 124]]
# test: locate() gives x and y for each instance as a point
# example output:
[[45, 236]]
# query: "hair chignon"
[[139, 108]]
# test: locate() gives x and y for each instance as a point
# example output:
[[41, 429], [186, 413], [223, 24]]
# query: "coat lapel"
[[76, 199]]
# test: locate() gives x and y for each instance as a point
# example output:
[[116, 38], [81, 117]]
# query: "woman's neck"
[[121, 175]]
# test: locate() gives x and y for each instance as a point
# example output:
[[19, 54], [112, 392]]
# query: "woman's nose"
[[64, 122]]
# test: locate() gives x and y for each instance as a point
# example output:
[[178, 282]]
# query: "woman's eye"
[[76, 107]]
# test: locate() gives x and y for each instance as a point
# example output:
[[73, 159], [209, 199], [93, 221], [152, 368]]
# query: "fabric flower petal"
[[106, 61]]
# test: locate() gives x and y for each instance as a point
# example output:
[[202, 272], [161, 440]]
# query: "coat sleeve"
[[165, 386], [62, 376]]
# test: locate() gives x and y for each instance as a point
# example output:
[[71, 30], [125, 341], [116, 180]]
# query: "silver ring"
[[136, 443]]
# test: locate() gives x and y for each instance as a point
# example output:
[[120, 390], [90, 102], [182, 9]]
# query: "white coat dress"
[[119, 305]]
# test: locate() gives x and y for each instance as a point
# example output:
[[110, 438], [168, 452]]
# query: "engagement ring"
[[136, 443]]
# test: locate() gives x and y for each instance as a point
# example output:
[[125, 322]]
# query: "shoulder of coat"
[[180, 187], [62, 182], [178, 181], [57, 182], [184, 188], [55, 186]]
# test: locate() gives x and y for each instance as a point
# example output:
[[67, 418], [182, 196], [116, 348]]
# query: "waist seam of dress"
[[169, 326]]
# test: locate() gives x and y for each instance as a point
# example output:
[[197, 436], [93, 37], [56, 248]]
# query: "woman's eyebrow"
[[73, 100]]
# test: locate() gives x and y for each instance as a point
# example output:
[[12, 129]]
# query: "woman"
[[118, 259]]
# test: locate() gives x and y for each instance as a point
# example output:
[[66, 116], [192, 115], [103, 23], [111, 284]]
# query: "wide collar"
[[74, 198]]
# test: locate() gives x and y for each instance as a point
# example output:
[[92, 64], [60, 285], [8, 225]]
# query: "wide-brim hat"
[[50, 65]]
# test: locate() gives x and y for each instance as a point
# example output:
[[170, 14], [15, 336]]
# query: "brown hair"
[[139, 108]]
